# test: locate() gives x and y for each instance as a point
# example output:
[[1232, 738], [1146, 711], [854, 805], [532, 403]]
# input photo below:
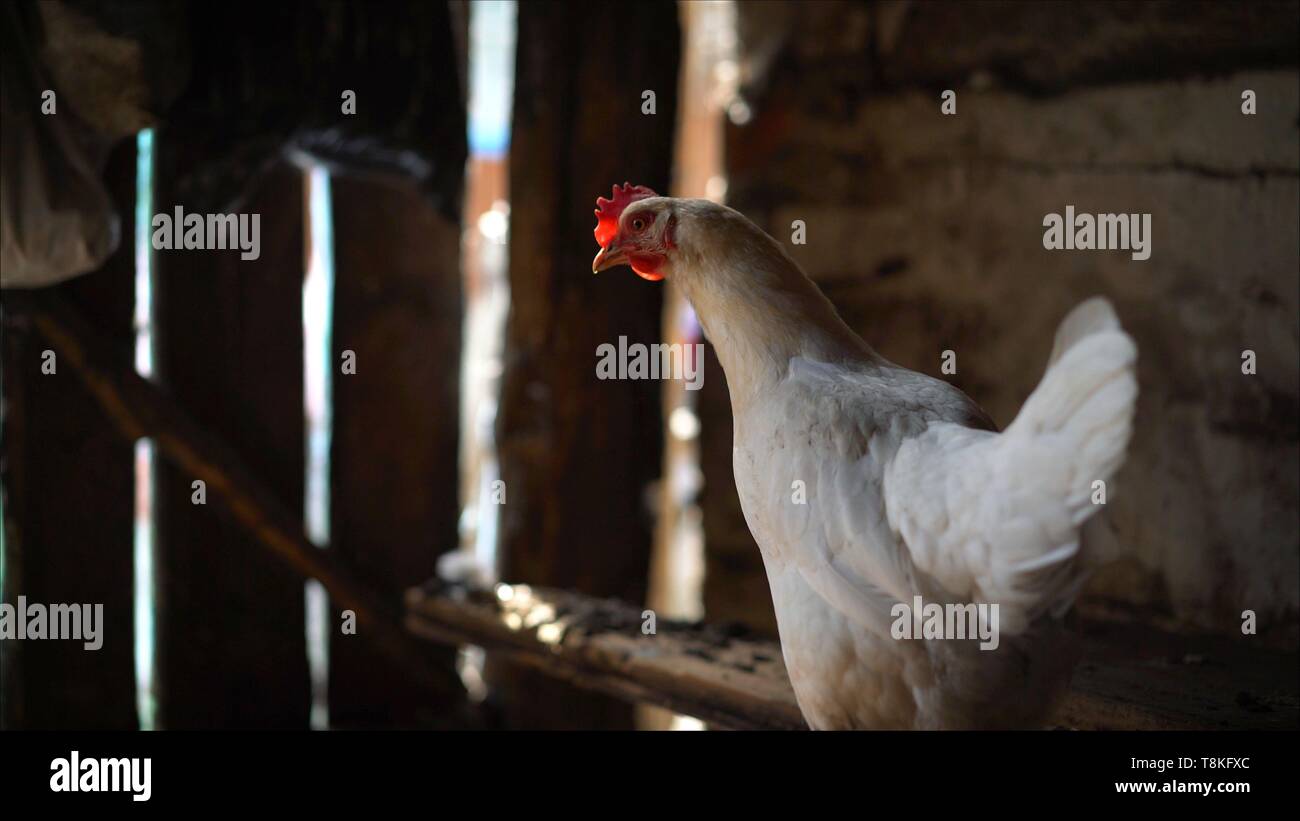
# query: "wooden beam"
[[579, 454], [69, 487], [228, 342], [599, 645], [138, 408], [394, 466], [1132, 676]]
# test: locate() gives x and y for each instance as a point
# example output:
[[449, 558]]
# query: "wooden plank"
[[577, 454], [1136, 676], [732, 681], [1132, 676], [138, 408], [68, 480], [394, 468], [231, 641]]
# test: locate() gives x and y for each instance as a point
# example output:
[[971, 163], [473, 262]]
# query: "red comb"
[[608, 211]]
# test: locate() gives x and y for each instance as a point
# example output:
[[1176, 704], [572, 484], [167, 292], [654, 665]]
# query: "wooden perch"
[[719, 676], [138, 408], [1132, 677]]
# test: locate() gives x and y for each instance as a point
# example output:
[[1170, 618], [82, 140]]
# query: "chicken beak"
[[608, 257]]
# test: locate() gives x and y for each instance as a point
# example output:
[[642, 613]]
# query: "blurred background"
[[438, 236]]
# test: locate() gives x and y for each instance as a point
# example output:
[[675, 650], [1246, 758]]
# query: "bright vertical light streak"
[[491, 58], [143, 594], [317, 321], [491, 76], [492, 30]]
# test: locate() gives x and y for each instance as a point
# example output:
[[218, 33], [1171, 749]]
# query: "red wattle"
[[646, 266]]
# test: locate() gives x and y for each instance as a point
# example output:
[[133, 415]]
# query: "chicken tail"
[[1071, 435], [1084, 405], [1092, 316]]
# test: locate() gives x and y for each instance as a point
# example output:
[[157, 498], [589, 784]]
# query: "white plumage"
[[907, 489]]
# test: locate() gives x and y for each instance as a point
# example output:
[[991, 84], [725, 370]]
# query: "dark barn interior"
[[370, 478]]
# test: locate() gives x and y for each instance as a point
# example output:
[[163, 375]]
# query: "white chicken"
[[907, 489]]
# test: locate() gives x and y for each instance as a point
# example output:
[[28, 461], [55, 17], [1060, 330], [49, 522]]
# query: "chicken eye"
[[638, 224]]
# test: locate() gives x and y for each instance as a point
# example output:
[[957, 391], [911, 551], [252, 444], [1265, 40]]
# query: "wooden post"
[[68, 483], [578, 454], [394, 469], [138, 408], [231, 638]]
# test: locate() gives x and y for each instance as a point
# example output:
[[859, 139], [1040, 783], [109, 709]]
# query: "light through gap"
[[317, 321], [487, 296], [707, 88], [143, 593]]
